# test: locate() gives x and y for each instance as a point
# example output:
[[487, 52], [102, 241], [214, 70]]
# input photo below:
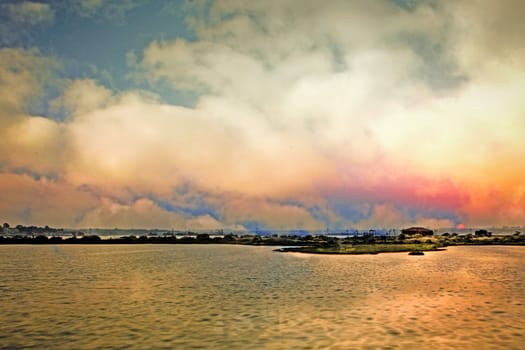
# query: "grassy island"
[[414, 245], [372, 248]]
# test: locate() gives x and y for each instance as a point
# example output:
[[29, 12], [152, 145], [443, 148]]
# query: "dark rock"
[[416, 252]]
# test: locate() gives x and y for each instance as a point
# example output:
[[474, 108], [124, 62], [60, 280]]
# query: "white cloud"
[[30, 13], [136, 141], [82, 96], [361, 85], [487, 31], [142, 213], [285, 71], [27, 141], [22, 73], [20, 19], [114, 11], [41, 201], [328, 104]]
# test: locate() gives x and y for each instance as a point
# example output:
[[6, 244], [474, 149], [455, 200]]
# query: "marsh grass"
[[366, 248]]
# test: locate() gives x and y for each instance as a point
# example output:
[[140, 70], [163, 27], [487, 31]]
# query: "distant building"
[[412, 231]]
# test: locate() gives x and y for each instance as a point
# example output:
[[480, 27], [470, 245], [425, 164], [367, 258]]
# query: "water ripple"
[[236, 297]]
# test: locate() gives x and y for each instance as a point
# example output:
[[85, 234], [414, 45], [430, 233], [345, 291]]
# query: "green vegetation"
[[414, 243], [374, 248]]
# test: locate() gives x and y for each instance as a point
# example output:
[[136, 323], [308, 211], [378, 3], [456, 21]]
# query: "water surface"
[[241, 297]]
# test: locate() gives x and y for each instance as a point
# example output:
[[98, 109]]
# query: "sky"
[[278, 115]]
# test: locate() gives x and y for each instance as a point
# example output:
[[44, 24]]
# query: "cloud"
[[487, 32], [329, 83], [357, 114], [21, 18], [23, 74], [387, 216], [30, 13], [142, 213], [269, 214], [80, 97], [113, 11], [27, 141], [26, 200], [36, 143], [369, 95], [137, 141]]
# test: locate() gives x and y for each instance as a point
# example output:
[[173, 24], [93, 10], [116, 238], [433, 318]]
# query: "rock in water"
[[416, 252]]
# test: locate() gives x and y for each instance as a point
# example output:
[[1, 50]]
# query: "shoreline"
[[364, 249], [289, 244]]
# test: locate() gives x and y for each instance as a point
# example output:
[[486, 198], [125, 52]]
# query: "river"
[[244, 297]]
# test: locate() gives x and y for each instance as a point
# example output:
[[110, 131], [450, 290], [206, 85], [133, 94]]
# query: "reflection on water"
[[238, 297]]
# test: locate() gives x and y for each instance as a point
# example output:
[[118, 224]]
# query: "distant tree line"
[[30, 229]]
